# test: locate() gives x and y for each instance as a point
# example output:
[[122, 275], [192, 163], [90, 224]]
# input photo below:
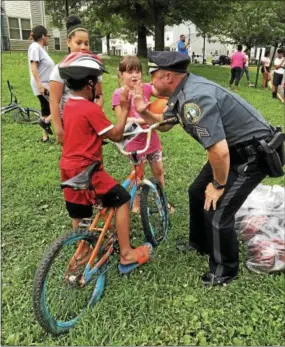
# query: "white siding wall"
[[20, 9]]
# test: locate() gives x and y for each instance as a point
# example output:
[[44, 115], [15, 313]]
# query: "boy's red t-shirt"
[[84, 124]]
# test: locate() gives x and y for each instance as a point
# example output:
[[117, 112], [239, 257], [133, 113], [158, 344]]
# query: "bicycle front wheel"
[[154, 212], [59, 298]]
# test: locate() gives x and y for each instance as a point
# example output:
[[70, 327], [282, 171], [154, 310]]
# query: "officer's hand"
[[212, 195]]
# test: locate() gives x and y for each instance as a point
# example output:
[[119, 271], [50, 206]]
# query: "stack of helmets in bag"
[[261, 225]]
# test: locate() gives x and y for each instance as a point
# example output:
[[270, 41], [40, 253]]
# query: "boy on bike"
[[85, 127]]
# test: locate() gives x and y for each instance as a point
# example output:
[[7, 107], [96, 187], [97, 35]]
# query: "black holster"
[[273, 153]]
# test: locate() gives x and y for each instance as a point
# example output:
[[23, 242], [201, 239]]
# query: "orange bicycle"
[[69, 279]]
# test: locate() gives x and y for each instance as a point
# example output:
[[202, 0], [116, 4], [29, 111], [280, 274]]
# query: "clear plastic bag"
[[260, 222]]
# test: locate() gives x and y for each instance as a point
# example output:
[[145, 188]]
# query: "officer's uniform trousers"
[[213, 232]]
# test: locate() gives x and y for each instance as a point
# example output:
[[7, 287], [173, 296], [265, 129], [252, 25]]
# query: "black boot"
[[274, 95], [209, 279]]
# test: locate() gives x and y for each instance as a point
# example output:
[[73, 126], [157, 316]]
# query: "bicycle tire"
[[44, 310], [152, 197], [33, 115], [27, 116]]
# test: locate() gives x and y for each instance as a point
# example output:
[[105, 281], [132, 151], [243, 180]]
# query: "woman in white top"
[[265, 69], [77, 41], [40, 67]]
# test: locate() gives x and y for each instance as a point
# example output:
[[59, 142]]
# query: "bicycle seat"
[[82, 181]]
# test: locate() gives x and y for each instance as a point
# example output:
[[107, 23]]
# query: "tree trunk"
[[273, 55], [142, 46], [159, 30], [66, 8], [108, 43], [204, 48]]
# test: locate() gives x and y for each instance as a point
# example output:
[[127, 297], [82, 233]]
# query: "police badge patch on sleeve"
[[192, 113]]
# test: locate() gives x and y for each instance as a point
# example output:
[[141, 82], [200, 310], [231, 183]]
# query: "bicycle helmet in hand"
[[78, 66]]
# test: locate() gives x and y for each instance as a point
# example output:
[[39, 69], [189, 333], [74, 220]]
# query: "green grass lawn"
[[162, 304]]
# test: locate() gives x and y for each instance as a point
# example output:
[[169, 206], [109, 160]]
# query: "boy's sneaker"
[[45, 126]]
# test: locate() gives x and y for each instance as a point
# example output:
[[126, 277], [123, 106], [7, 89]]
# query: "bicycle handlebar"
[[10, 87], [148, 131]]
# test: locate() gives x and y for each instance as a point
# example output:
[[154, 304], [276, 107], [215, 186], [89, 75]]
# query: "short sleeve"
[[116, 98], [203, 116], [98, 120], [55, 76], [34, 53]]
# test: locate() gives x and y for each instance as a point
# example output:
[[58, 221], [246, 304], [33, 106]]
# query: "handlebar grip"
[[171, 120]]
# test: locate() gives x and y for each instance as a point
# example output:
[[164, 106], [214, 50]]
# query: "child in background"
[[85, 120], [129, 74], [265, 69], [77, 41]]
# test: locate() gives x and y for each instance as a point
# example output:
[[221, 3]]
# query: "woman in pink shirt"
[[130, 73], [238, 60]]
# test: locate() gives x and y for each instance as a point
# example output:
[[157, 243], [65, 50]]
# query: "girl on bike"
[[77, 41], [129, 74], [40, 66], [85, 126]]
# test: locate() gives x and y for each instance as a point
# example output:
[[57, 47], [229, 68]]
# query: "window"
[[19, 28], [26, 28], [14, 28], [57, 43]]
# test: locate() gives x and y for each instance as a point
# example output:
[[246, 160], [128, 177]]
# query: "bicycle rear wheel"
[[59, 300], [154, 212], [27, 116]]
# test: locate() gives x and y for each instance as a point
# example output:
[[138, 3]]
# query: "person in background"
[[182, 47], [265, 69], [238, 60], [77, 41], [40, 67], [278, 72], [245, 67]]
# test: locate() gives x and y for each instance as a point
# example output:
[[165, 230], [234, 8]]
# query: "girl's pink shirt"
[[140, 141], [237, 59]]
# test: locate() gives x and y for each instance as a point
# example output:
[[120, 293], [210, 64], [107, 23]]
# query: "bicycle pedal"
[[85, 223]]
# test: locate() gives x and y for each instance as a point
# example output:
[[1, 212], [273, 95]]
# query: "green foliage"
[[56, 9], [163, 303], [252, 23]]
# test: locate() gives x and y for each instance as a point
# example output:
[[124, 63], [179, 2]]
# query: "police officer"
[[227, 127]]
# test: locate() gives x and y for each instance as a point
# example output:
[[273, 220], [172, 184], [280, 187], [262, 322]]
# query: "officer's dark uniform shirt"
[[211, 113]]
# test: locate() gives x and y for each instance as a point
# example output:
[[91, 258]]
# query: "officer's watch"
[[217, 185]]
